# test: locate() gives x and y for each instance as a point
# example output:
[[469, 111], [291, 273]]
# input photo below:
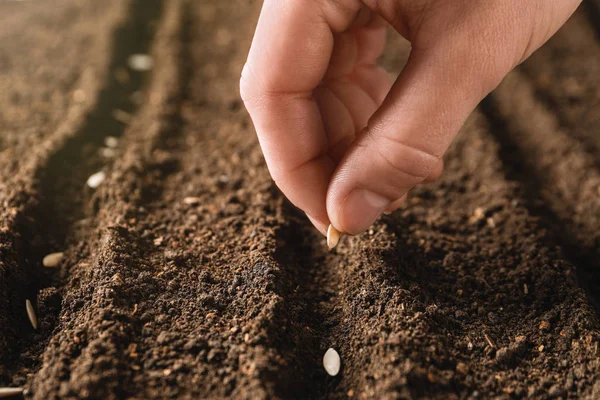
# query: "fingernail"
[[320, 227], [360, 209]]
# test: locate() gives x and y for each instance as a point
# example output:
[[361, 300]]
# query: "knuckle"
[[412, 164]]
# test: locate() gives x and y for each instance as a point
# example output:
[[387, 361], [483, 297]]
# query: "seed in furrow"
[[111, 142], [140, 62], [333, 237], [9, 392], [332, 362], [192, 201], [31, 314], [96, 179], [52, 260]]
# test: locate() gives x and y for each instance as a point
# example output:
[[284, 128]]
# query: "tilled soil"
[[188, 275]]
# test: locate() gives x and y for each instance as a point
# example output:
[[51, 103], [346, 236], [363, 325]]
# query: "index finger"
[[288, 58]]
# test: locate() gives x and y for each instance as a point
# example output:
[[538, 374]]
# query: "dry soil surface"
[[186, 273]]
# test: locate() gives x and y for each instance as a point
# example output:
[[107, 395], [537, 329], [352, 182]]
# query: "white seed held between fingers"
[[96, 180], [8, 391], [333, 237], [52, 260], [332, 362], [31, 314]]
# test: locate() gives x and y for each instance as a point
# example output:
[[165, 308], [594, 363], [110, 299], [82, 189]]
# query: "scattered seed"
[[122, 116], [332, 362], [8, 391], [140, 62], [525, 289], [333, 237], [31, 314], [111, 142], [96, 179], [107, 152], [52, 260], [191, 201]]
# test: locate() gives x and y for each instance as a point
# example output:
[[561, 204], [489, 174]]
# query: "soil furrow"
[[97, 329], [561, 181], [462, 298], [569, 86], [55, 80], [20, 270], [59, 215]]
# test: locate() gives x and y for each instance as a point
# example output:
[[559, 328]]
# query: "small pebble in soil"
[[333, 237], [111, 142], [52, 260], [140, 62], [9, 392], [332, 362], [31, 314], [96, 179]]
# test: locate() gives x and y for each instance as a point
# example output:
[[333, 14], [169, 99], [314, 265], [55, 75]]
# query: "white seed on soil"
[[96, 180], [111, 142], [122, 116], [9, 392], [333, 237], [52, 260], [31, 314], [140, 62], [107, 152], [332, 362], [192, 201]]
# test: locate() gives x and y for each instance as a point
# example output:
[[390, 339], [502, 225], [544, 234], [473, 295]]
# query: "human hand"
[[342, 142]]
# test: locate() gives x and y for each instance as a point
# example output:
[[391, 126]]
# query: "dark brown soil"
[[188, 275]]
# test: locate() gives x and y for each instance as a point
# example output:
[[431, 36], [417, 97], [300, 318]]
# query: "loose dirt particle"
[[332, 362], [477, 216], [487, 338], [462, 368], [31, 314], [52, 260], [333, 237], [544, 325], [9, 392], [96, 179]]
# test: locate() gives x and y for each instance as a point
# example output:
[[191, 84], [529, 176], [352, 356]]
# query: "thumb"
[[406, 138]]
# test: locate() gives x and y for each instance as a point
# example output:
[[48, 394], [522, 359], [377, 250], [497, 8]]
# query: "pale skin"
[[341, 140]]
